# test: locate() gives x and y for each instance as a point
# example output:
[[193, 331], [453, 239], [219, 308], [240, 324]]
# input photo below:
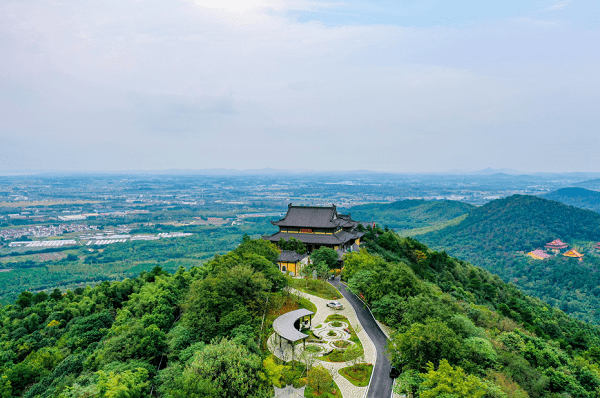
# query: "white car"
[[336, 305]]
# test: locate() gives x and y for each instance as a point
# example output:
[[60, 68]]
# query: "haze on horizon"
[[421, 86]]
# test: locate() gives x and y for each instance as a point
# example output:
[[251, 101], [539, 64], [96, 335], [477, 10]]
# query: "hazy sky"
[[413, 85]]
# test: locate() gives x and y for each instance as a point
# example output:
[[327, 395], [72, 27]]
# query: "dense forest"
[[193, 333], [70, 267], [459, 331], [410, 214], [578, 197], [493, 235], [202, 332]]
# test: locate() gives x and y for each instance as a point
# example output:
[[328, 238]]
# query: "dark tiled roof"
[[317, 239], [310, 217], [288, 256]]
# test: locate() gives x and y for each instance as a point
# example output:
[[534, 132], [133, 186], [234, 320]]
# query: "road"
[[381, 383]]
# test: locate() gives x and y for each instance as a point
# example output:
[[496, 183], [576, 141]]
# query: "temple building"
[[556, 245], [290, 261], [597, 247], [574, 254], [539, 255], [315, 227]]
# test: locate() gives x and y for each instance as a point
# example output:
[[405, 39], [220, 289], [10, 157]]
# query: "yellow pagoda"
[[574, 254]]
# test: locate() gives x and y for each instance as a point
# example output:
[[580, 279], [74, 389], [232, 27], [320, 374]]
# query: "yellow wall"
[[290, 267]]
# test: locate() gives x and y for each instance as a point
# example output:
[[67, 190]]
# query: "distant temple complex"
[[315, 227]]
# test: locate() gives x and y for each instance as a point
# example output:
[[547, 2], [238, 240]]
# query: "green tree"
[[319, 379], [292, 244], [452, 381], [127, 384], [360, 260], [56, 294], [408, 383], [326, 255], [423, 343], [5, 387], [273, 370], [231, 369]]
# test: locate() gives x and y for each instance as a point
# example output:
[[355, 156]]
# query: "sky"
[[400, 86]]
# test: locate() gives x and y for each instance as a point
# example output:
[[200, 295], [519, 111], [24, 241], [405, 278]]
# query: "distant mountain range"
[[578, 197], [411, 214], [590, 184], [496, 237]]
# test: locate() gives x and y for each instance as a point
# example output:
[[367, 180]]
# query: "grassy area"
[[332, 392], [359, 374], [436, 227], [316, 287], [309, 305]]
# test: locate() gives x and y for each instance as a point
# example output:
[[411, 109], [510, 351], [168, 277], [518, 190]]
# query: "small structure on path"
[[285, 327], [597, 247], [289, 392]]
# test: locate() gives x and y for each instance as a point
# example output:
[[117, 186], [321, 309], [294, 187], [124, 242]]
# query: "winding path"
[[381, 383]]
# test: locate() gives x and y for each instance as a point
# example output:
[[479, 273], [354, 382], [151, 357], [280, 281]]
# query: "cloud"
[[148, 84], [558, 5]]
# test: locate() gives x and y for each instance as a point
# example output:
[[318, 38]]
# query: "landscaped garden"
[[346, 351], [358, 374]]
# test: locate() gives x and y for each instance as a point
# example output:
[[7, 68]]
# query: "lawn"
[[316, 287], [359, 374]]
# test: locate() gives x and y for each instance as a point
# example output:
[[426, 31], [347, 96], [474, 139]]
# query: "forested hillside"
[[492, 235], [578, 197], [410, 214], [202, 332], [193, 333], [460, 330], [73, 266]]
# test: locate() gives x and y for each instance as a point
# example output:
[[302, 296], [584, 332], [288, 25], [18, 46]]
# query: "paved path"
[[347, 389], [381, 383]]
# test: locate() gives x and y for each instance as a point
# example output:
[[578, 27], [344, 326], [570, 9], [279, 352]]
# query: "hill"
[[464, 319], [411, 214], [202, 332], [590, 184], [492, 236], [578, 197]]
